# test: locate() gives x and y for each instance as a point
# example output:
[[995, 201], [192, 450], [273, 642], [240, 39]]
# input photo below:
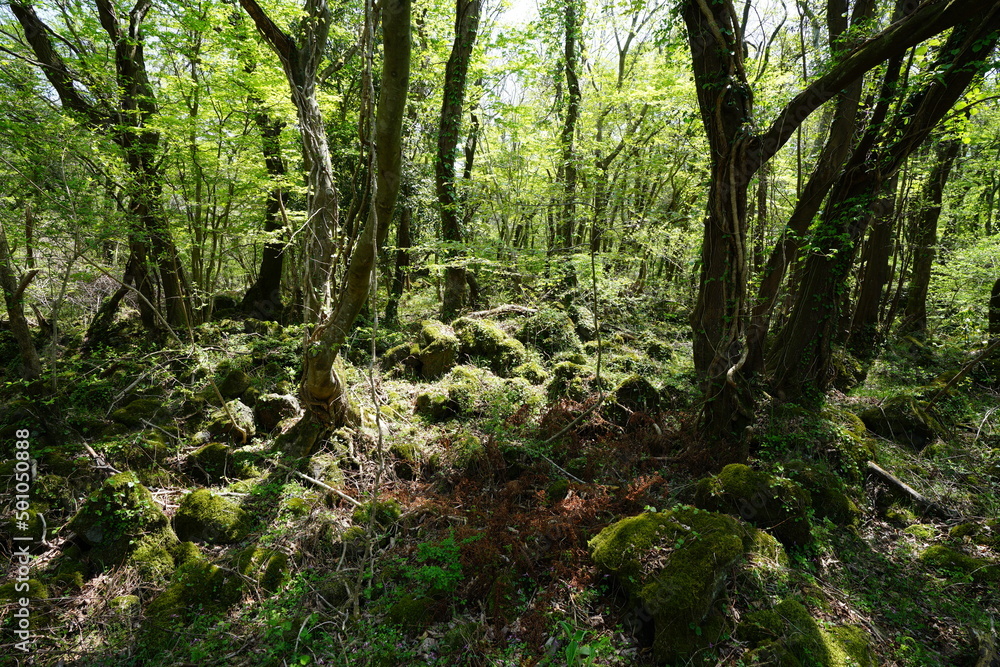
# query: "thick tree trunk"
[[13, 292], [456, 295], [925, 238], [263, 299], [572, 38]]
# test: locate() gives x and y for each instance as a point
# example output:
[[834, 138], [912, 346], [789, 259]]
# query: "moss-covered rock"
[[634, 394], [903, 419], [848, 371], [32, 589], [198, 589], [945, 558], [215, 461], [673, 565], [121, 518], [584, 321], [140, 411], [410, 613], [827, 492], [921, 531], [434, 405], [787, 634], [326, 468], [387, 512], [532, 371], [569, 380], [485, 340], [550, 332], [125, 604], [271, 409], [206, 517], [231, 381], [267, 567], [775, 504], [240, 428], [853, 446], [557, 490], [439, 348], [462, 392]]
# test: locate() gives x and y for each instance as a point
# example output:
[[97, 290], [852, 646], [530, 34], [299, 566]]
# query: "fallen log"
[[901, 488]]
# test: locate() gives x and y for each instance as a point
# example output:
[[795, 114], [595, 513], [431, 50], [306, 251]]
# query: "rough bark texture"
[[467, 13], [13, 292], [925, 237], [572, 27]]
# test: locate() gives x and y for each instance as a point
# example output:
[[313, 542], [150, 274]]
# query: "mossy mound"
[[439, 348], [216, 461], [139, 411], [231, 381], [550, 332], [571, 380], [206, 517], [460, 393], [852, 447], [410, 613], [267, 567], [532, 371], [584, 320], [950, 560], [387, 512], [903, 419], [827, 492], [198, 589], [271, 409], [848, 371], [788, 635], [673, 565], [633, 394], [775, 504], [239, 429], [485, 340], [121, 518]]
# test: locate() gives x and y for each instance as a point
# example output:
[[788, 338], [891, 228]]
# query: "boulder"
[[240, 428], [633, 394], [206, 517], [439, 348], [216, 461], [550, 332], [232, 382], [486, 340], [271, 409], [903, 419], [139, 411]]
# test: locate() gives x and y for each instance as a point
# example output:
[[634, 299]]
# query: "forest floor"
[[457, 524]]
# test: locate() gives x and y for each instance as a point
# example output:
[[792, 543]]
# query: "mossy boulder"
[[206, 517], [788, 635], [485, 340], [326, 468], [439, 348], [570, 380], [848, 370], [658, 349], [216, 461], [532, 371], [231, 381], [673, 565], [198, 589], [121, 518], [434, 405], [775, 504], [240, 428], [903, 419], [634, 394], [459, 393], [945, 558], [125, 604], [387, 513], [411, 613], [584, 321], [550, 332], [267, 567], [827, 492], [140, 411], [271, 409]]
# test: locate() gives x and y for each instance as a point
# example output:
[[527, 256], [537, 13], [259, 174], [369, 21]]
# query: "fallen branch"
[[320, 484], [962, 373], [504, 310], [902, 488]]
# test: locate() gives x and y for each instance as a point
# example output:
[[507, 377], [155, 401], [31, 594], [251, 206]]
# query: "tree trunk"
[[13, 292], [400, 275], [925, 238], [456, 295], [572, 38], [263, 299]]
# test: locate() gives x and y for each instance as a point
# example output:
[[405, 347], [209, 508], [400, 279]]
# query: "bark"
[[467, 13], [994, 316], [263, 299], [925, 238], [572, 27], [400, 274], [801, 363], [13, 292]]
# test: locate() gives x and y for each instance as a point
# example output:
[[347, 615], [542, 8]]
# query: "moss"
[[486, 340], [903, 419], [387, 512], [439, 348], [72, 580], [789, 635], [570, 380], [434, 405], [532, 371], [186, 552], [659, 350], [410, 613], [465, 450], [326, 468], [945, 558], [335, 587], [775, 504], [152, 559], [900, 516], [405, 451], [673, 565], [125, 604], [765, 550], [221, 427], [204, 516], [198, 589], [827, 492], [633, 394], [922, 531], [557, 490], [848, 371], [32, 589], [118, 517], [267, 567], [139, 411], [232, 382], [852, 448], [550, 332]]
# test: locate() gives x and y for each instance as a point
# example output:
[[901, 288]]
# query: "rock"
[[434, 405], [550, 332], [121, 519], [903, 419], [486, 340], [634, 394], [659, 350], [232, 382], [411, 613], [438, 349], [849, 372], [326, 468], [674, 565], [206, 517], [198, 589], [557, 490], [216, 461], [139, 411], [532, 371], [827, 492], [459, 393], [221, 427], [787, 634], [775, 504], [570, 380], [267, 567], [271, 409], [584, 321], [945, 558], [387, 512]]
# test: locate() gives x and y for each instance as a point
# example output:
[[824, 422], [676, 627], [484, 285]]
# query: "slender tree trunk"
[[13, 292], [456, 295], [572, 38], [925, 238], [400, 275]]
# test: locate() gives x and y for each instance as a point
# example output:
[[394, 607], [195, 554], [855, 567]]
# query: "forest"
[[489, 333]]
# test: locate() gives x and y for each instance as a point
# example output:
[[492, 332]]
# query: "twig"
[[319, 484]]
